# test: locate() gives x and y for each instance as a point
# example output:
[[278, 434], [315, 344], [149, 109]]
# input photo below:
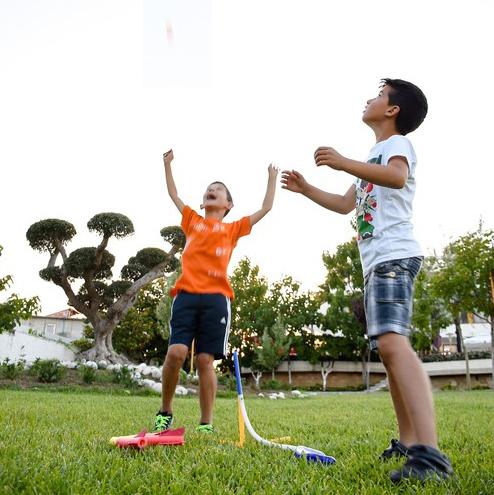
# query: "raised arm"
[[170, 183], [294, 181], [267, 204]]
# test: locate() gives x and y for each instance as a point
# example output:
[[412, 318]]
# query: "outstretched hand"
[[325, 155], [293, 181], [273, 171], [168, 156]]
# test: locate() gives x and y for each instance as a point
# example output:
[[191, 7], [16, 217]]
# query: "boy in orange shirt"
[[202, 294]]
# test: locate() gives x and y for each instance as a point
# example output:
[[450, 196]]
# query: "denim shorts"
[[388, 297]]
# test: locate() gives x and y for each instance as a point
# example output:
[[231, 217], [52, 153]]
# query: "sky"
[[94, 91]]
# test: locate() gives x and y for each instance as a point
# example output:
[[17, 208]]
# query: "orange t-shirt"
[[208, 249]]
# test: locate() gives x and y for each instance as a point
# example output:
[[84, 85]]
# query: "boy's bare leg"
[[411, 384], [207, 386], [174, 360], [405, 426]]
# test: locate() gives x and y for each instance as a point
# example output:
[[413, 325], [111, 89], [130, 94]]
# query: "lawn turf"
[[57, 443]]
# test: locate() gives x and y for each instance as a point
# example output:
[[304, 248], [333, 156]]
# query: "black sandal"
[[395, 449], [424, 463]]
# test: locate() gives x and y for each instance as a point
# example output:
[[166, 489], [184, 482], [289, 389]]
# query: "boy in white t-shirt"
[[382, 195]]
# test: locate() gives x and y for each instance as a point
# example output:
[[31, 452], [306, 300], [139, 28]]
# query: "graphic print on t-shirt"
[[366, 205], [207, 252]]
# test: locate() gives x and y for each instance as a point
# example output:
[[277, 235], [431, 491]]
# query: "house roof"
[[69, 313]]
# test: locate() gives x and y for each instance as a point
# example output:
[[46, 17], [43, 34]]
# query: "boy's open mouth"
[[211, 196]]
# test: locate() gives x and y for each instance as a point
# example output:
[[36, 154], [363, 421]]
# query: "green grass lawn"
[[57, 443]]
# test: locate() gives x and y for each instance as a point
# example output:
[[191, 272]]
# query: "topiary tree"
[[104, 302]]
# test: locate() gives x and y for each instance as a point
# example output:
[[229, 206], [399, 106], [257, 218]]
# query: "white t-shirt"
[[384, 215]]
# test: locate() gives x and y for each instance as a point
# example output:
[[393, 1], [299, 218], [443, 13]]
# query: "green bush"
[[48, 370], [83, 344], [88, 374], [228, 381], [33, 369], [480, 386], [223, 378], [183, 377], [455, 356], [273, 385], [11, 370], [123, 376], [450, 386]]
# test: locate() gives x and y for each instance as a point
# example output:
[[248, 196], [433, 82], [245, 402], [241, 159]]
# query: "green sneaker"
[[205, 429], [163, 421]]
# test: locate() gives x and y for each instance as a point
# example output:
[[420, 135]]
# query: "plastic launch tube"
[[311, 455]]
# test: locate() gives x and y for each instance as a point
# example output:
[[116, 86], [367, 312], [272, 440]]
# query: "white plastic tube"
[[300, 450]]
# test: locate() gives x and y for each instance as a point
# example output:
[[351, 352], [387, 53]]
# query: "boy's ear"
[[392, 111]]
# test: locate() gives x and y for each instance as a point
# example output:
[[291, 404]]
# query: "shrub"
[[228, 381], [455, 356], [452, 385], [11, 370], [480, 386], [48, 370], [123, 376], [183, 377], [273, 385], [88, 374], [83, 344], [33, 369]]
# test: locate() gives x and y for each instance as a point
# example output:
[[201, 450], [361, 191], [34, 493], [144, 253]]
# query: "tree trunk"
[[103, 347], [459, 338], [108, 341], [459, 346], [272, 375], [326, 369], [257, 378], [324, 374], [467, 365], [365, 369]]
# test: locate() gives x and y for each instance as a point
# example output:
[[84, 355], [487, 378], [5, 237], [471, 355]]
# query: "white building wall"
[[22, 345], [67, 329]]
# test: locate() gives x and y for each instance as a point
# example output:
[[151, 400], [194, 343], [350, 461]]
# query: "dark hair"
[[412, 103], [228, 194]]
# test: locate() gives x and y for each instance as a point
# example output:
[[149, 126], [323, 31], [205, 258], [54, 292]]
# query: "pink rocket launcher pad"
[[144, 439]]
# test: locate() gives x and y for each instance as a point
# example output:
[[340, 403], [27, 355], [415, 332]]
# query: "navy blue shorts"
[[388, 297], [203, 317]]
